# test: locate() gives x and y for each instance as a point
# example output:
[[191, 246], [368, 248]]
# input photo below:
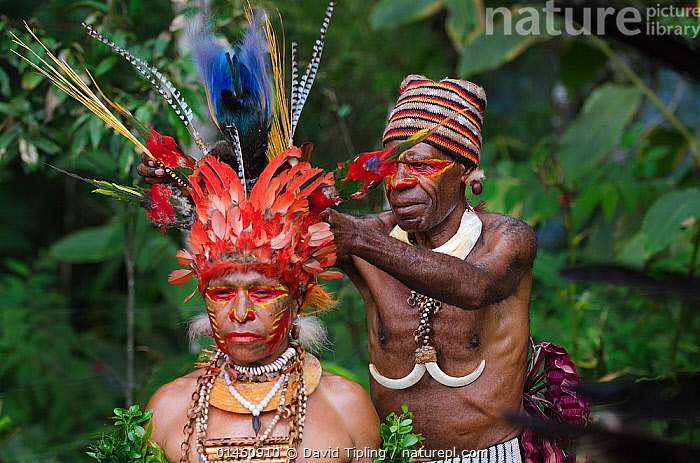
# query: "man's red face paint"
[[423, 205], [402, 183], [428, 167], [224, 295], [424, 168]]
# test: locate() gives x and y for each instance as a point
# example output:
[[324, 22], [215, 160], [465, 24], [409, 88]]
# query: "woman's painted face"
[[250, 316]]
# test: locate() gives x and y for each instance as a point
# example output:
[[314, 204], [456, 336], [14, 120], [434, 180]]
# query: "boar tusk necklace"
[[425, 355]]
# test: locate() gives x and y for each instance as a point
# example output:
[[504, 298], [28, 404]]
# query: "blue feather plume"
[[239, 92]]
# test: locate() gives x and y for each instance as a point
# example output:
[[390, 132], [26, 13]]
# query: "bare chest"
[[395, 314]]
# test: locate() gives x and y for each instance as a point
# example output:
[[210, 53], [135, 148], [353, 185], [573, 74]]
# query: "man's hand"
[[342, 226], [348, 228], [150, 173]]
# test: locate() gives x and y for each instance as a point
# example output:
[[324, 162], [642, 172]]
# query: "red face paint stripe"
[[428, 167], [220, 294], [249, 314], [215, 330], [265, 294], [402, 183], [279, 329]]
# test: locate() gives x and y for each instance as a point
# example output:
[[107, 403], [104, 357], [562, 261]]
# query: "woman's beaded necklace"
[[265, 448]]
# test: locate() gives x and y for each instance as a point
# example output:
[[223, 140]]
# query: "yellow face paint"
[[264, 295], [265, 304], [279, 328], [428, 168], [215, 329], [417, 169]]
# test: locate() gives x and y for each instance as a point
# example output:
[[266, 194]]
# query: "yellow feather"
[[279, 135], [81, 93], [127, 189], [278, 140]]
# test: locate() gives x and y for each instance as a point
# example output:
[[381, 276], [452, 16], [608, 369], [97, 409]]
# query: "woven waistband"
[[505, 452]]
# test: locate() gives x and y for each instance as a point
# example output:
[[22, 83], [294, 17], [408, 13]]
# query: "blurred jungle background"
[[592, 140]]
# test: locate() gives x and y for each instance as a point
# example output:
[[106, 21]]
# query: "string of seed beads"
[[296, 426], [203, 408], [427, 306], [302, 412], [280, 410], [194, 412], [191, 419]]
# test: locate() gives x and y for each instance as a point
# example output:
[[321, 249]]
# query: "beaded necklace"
[[265, 449], [273, 367]]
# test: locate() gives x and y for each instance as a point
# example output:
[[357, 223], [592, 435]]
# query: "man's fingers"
[[153, 175], [147, 160], [145, 171]]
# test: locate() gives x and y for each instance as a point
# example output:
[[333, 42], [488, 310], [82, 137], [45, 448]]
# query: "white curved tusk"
[[442, 378], [407, 381]]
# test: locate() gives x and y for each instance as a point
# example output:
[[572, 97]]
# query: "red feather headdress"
[[272, 231]]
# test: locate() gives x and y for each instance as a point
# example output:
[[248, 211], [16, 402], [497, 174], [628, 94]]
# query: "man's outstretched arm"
[[470, 284]]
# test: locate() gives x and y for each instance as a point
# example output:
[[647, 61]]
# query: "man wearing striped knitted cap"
[[446, 287]]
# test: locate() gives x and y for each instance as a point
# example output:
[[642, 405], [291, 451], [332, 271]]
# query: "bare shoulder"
[[505, 225], [352, 404], [340, 390], [347, 397], [170, 404], [175, 391], [499, 228]]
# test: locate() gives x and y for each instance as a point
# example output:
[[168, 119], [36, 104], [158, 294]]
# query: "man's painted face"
[[250, 316], [425, 187]]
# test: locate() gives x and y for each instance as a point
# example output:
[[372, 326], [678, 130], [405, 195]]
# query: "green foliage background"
[[590, 142]]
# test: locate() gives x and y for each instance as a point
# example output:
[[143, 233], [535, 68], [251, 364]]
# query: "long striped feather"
[[294, 93], [307, 80], [158, 80], [238, 153], [75, 87]]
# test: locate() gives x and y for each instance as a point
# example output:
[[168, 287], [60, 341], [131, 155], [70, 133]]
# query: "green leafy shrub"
[[129, 442], [397, 438]]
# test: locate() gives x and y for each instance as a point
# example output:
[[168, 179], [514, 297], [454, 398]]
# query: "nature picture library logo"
[[556, 19]]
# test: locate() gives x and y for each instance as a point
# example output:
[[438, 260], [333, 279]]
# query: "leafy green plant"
[[397, 438], [6, 428], [129, 442]]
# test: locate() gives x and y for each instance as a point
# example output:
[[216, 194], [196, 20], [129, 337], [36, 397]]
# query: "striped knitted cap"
[[424, 103]]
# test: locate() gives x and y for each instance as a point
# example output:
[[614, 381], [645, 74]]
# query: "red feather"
[[164, 149]]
